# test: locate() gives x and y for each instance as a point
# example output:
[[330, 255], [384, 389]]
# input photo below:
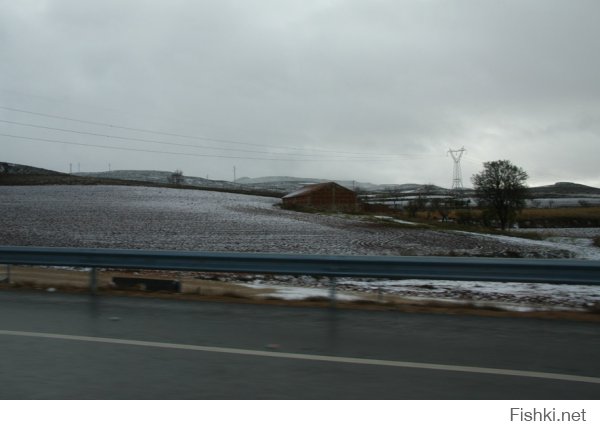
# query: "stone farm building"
[[327, 196]]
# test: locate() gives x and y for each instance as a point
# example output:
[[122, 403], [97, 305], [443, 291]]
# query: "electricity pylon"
[[456, 154]]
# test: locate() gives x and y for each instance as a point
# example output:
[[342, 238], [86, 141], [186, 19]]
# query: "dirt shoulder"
[[193, 288]]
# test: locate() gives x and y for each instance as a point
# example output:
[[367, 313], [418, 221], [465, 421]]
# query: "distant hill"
[[290, 183], [276, 184], [159, 177], [272, 179], [20, 169], [18, 174], [561, 189]]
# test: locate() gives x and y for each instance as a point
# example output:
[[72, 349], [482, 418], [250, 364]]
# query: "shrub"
[[465, 217]]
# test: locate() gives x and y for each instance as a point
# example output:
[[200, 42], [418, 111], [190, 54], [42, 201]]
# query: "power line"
[[162, 142], [165, 152], [158, 132], [139, 150], [473, 159]]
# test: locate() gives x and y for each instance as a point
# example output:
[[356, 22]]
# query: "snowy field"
[[155, 218]]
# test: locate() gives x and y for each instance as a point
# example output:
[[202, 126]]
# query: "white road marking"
[[311, 357]]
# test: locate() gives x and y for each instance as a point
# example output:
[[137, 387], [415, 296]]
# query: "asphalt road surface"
[[60, 346]]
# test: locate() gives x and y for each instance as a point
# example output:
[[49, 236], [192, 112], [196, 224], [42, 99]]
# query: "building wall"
[[333, 197]]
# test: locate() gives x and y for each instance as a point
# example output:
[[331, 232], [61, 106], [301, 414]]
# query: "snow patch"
[[399, 221], [512, 296], [299, 293], [582, 248]]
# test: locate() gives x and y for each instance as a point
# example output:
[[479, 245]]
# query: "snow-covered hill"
[[559, 194], [20, 169]]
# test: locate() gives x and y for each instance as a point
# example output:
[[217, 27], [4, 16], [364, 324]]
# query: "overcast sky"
[[366, 90]]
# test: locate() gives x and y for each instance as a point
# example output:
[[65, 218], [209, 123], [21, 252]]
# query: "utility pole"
[[456, 154], [234, 178]]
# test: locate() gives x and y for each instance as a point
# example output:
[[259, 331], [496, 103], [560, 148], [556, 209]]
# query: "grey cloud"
[[509, 79]]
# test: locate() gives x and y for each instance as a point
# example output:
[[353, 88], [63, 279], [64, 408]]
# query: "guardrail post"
[[7, 279], [93, 281], [332, 293]]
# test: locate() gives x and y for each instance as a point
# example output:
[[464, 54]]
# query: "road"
[[61, 346]]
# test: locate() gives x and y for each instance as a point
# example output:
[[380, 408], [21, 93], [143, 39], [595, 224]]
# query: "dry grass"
[[72, 280], [560, 217], [530, 217], [568, 213]]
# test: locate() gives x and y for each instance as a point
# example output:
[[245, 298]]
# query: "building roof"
[[311, 188]]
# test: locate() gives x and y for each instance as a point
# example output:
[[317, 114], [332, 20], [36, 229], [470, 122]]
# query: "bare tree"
[[501, 190], [444, 207], [176, 178]]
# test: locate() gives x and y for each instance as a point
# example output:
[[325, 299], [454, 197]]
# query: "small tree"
[[176, 178], [444, 207], [536, 203], [501, 190], [415, 206]]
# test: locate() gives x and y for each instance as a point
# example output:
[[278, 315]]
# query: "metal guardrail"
[[582, 272]]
